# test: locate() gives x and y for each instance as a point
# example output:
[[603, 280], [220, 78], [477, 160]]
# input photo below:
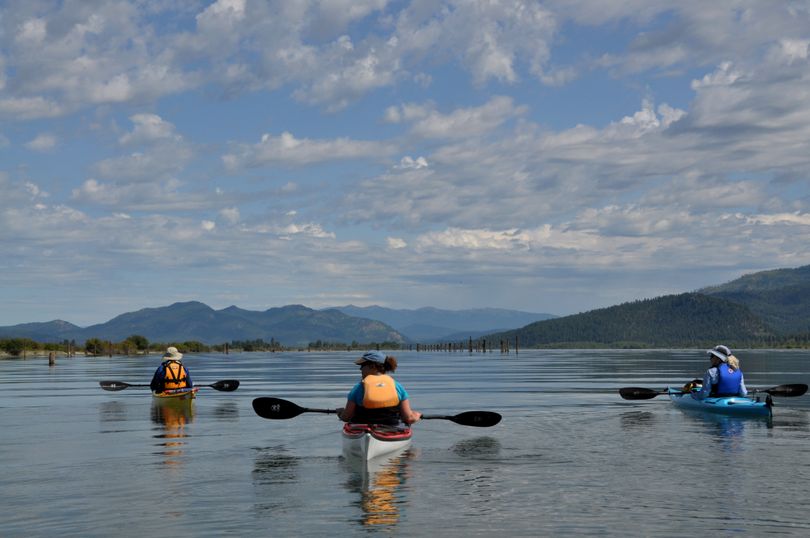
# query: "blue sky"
[[553, 156]]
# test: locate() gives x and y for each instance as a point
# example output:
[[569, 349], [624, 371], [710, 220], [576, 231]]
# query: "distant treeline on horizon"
[[139, 345]]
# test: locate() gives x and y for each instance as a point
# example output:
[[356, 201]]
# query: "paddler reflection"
[[380, 485], [173, 416]]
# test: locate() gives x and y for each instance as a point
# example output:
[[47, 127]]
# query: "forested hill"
[[685, 320], [780, 297]]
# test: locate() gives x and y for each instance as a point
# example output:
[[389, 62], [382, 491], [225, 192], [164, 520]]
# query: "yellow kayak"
[[177, 395]]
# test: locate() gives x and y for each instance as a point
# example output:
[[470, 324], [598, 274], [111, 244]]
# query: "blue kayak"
[[736, 406]]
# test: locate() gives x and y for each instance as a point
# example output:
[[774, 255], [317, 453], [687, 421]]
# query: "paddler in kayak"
[[724, 377], [378, 398], [171, 374]]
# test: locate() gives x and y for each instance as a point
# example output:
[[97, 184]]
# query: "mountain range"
[[769, 307], [292, 325]]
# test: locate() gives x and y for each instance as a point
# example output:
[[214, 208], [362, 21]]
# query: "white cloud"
[[798, 219], [396, 243], [408, 162], [32, 31], [149, 128], [145, 167], [349, 74], [29, 108], [42, 142], [311, 229], [289, 150], [794, 49], [461, 123], [474, 239], [230, 214]]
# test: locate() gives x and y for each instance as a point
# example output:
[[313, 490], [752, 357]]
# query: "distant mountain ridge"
[[685, 320], [780, 297], [292, 325], [757, 309], [430, 324]]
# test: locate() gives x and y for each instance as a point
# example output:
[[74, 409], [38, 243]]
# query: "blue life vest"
[[728, 383]]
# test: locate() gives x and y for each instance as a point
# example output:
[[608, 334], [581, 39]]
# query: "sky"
[[547, 156]]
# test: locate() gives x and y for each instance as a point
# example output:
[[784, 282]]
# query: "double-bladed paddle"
[[785, 391], [276, 408], [226, 385]]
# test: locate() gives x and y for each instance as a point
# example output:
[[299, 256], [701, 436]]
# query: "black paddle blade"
[[638, 393], [786, 391], [276, 408], [480, 419], [226, 385], [113, 386]]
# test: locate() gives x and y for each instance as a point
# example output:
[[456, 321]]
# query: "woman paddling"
[[724, 377], [378, 398]]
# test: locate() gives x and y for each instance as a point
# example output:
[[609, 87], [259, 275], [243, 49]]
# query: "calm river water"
[[569, 458]]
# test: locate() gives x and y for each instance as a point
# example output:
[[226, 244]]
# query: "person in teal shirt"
[[387, 402]]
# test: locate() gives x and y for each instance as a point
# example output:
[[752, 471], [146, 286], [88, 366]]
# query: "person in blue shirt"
[[724, 377], [378, 398]]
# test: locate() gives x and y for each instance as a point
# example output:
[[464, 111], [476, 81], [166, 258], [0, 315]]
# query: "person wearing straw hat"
[[171, 374], [724, 377]]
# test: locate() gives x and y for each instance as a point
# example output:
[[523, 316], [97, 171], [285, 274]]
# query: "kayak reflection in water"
[[171, 374], [724, 377], [173, 416], [380, 500], [378, 398]]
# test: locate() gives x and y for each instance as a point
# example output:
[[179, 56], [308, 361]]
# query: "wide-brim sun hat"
[[721, 352], [173, 354], [371, 356]]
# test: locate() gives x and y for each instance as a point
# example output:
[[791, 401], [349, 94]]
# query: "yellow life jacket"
[[175, 376], [380, 391]]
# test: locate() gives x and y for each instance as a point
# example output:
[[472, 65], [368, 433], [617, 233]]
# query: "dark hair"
[[389, 366]]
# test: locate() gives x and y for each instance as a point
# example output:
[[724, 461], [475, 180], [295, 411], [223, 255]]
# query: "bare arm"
[[409, 416], [347, 413]]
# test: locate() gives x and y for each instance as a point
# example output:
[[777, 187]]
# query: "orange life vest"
[[175, 376], [379, 391]]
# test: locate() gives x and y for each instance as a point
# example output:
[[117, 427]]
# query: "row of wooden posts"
[[471, 346]]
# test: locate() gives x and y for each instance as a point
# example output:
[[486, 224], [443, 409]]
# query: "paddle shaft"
[[225, 385], [278, 409], [640, 393]]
